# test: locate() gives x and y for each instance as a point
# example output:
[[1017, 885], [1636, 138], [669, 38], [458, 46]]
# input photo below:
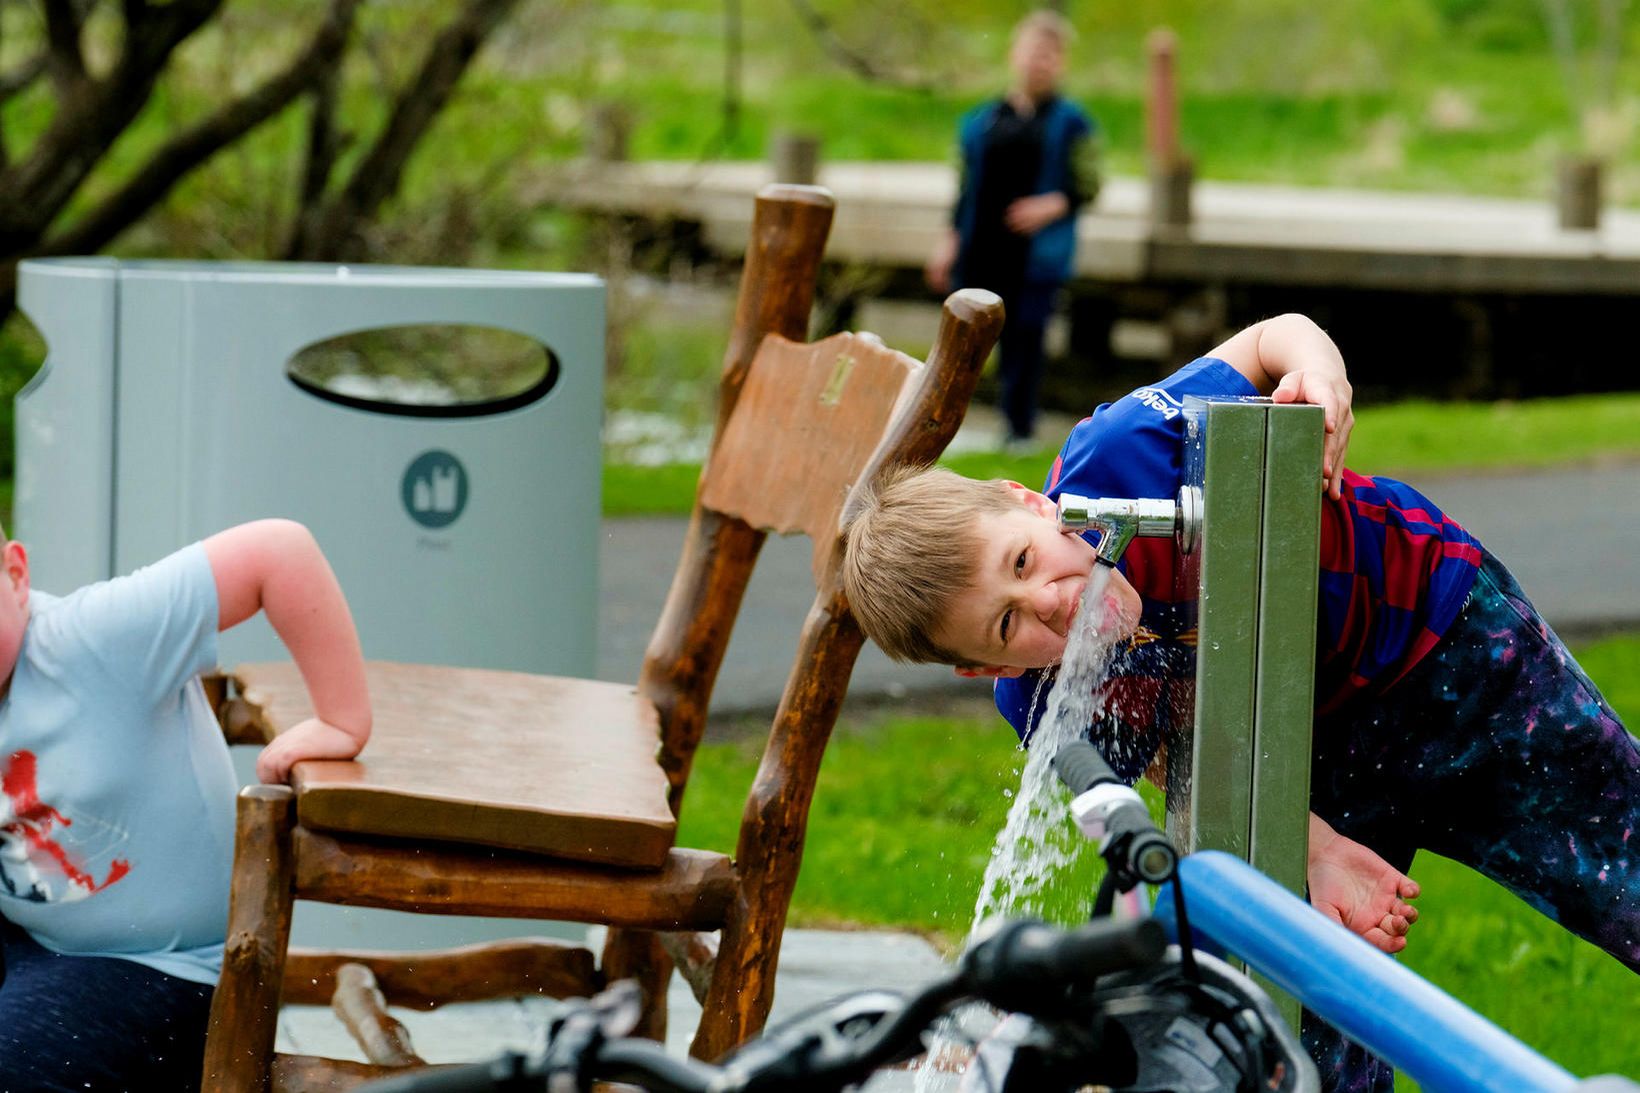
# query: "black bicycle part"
[[1026, 966], [1134, 851]]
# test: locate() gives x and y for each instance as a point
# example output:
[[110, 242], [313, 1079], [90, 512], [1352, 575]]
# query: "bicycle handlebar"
[[1024, 965], [500, 1075], [1108, 810]]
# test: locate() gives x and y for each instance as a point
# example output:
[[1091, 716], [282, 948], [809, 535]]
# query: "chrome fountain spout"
[[1120, 519]]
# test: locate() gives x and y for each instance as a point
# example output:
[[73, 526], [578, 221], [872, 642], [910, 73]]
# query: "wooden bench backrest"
[[799, 425]]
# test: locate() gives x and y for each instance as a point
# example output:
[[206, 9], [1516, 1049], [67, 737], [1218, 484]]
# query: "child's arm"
[[1354, 886], [276, 566], [1291, 359]]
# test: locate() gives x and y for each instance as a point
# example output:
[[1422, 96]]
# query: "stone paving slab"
[[815, 967]]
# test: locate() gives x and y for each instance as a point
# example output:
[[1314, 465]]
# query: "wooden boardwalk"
[[889, 215]]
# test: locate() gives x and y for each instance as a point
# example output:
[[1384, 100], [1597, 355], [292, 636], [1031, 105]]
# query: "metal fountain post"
[[1242, 784]]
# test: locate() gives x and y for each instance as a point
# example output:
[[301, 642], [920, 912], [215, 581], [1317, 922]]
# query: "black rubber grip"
[[1099, 948], [1081, 767], [1025, 965]]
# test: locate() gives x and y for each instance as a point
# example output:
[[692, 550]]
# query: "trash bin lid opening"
[[427, 370]]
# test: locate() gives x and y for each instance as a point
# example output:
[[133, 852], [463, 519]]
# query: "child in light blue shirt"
[[117, 796]]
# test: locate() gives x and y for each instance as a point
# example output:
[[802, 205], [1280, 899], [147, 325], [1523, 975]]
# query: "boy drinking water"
[[117, 821], [1448, 715]]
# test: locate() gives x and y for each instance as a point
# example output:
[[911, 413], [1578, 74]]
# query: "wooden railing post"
[[1171, 173]]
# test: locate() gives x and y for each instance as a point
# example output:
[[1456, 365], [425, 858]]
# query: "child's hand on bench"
[[310, 739]]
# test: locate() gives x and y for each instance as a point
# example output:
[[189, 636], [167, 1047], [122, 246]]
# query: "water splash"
[[1037, 843]]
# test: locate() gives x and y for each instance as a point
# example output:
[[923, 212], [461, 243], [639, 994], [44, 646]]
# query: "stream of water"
[[1037, 842]]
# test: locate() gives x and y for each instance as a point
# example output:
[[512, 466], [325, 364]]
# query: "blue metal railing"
[[1387, 1008]]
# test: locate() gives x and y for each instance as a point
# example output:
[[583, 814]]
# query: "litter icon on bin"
[[434, 489]]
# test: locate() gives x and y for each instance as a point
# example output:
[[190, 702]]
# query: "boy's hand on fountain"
[[1291, 359], [1328, 389], [1353, 886]]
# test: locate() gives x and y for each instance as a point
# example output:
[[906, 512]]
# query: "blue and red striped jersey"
[[1394, 569]]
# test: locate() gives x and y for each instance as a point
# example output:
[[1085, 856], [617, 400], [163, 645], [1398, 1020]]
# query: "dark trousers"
[[1497, 751], [1020, 356], [87, 1024]]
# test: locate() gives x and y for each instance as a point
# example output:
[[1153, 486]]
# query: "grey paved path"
[[1572, 536], [815, 967]]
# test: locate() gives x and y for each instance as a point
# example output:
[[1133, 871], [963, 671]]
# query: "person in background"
[[1029, 162]]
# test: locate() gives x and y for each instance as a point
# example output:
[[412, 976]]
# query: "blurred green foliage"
[[1396, 93], [1443, 94]]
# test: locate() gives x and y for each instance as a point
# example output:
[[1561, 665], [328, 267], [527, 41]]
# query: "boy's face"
[[1026, 591], [13, 606], [1038, 62]]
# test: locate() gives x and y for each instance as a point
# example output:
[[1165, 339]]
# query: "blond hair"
[[909, 549], [1046, 21]]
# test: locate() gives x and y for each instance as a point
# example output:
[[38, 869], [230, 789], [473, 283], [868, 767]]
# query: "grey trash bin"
[[463, 533]]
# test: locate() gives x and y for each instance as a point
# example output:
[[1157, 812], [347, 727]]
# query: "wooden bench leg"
[[637, 954], [245, 1008], [741, 992]]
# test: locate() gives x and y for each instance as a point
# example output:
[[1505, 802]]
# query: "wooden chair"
[[499, 793]]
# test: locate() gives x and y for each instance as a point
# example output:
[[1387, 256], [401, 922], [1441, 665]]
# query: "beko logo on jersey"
[[1160, 401]]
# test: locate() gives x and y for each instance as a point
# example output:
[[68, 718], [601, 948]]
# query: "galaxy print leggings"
[[1499, 752]]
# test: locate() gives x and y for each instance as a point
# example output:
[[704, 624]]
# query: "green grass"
[[1402, 438], [908, 805], [1423, 436]]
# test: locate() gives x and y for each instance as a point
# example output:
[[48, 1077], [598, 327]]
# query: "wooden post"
[[1162, 100], [1259, 466], [1577, 193], [796, 158], [245, 1007], [1171, 172], [608, 132]]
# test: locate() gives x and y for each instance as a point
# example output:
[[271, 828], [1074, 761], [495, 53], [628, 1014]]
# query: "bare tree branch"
[[733, 41], [851, 59], [152, 33], [63, 27], [187, 150], [376, 176], [1563, 38], [323, 146], [1609, 46], [90, 116]]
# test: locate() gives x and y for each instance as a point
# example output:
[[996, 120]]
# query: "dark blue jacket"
[[1052, 248]]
